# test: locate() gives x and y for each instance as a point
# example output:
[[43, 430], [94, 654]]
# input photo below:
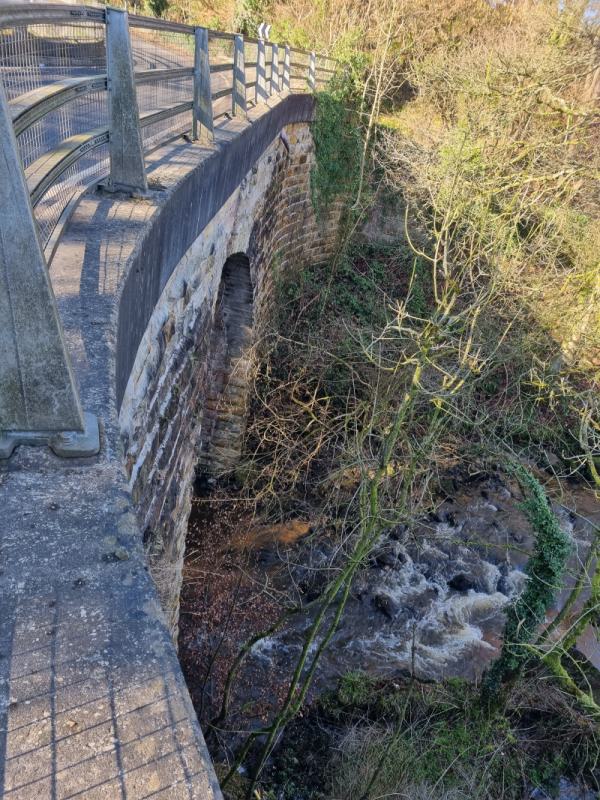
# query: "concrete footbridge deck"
[[126, 310]]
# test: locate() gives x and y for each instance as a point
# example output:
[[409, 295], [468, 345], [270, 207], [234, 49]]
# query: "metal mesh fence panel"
[[32, 56], [160, 94], [156, 51], [38, 56], [82, 114], [250, 56], [220, 53], [163, 131], [299, 71], [72, 182]]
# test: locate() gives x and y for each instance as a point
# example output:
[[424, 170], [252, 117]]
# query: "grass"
[[370, 739]]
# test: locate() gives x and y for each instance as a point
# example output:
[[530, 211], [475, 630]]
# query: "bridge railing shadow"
[[71, 730]]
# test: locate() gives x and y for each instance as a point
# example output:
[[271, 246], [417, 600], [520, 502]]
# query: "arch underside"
[[231, 365]]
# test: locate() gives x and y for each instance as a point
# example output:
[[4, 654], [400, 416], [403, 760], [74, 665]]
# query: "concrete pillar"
[[127, 171], [286, 69], [203, 124], [275, 85], [38, 397], [261, 73], [312, 72], [238, 103]]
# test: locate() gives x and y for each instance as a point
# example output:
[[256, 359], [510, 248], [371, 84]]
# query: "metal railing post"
[[286, 69], [203, 125], [127, 171], [261, 73], [238, 102], [312, 71], [275, 84], [39, 403]]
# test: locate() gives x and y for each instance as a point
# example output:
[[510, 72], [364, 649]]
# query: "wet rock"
[[451, 519], [462, 583], [448, 487], [119, 554], [552, 462], [398, 532], [566, 791], [504, 585], [387, 605], [390, 555], [491, 507]]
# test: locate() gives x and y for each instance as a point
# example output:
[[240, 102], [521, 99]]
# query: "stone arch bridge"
[[154, 181]]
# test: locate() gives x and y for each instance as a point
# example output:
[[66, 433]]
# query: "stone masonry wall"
[[185, 401]]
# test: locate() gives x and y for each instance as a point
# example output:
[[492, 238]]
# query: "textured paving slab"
[[92, 699]]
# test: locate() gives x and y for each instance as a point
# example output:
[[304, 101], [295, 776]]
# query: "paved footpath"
[[92, 699]]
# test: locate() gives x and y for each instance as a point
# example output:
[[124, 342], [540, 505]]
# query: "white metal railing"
[[91, 90]]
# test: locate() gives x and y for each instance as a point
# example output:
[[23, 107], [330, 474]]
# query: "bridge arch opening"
[[231, 362]]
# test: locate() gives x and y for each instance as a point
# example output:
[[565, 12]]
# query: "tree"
[[158, 7], [250, 14]]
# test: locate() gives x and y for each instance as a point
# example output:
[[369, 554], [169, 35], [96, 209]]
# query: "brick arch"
[[231, 365]]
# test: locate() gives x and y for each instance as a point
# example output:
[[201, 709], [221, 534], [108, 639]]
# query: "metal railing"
[[91, 90]]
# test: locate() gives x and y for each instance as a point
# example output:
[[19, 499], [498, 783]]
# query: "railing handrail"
[[46, 13], [116, 120]]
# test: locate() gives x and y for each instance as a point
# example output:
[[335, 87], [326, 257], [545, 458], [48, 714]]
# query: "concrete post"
[[286, 69], [38, 397], [238, 104], [312, 72], [203, 124], [275, 85], [127, 171], [261, 73]]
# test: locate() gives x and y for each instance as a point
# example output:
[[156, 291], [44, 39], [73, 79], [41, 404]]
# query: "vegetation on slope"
[[472, 339]]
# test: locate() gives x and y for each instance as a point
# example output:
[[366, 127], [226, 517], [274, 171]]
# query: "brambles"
[[249, 14]]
